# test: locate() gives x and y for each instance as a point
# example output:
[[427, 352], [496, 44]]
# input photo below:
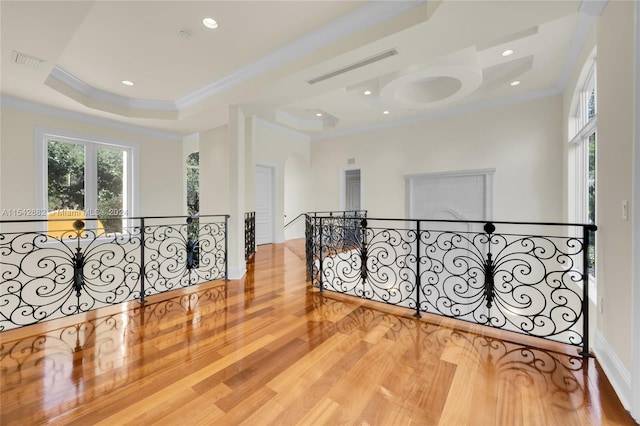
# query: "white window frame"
[[132, 176], [582, 127]]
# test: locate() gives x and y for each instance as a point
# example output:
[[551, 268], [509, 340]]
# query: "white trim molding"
[[236, 273], [71, 81], [614, 369], [35, 108], [360, 19], [351, 23], [440, 114]]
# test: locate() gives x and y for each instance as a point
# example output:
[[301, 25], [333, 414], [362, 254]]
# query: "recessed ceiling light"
[[318, 114], [210, 23], [385, 112], [367, 92], [515, 83], [127, 82], [508, 52]]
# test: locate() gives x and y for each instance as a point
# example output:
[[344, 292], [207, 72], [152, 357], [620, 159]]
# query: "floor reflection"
[[46, 374], [56, 372], [557, 377]]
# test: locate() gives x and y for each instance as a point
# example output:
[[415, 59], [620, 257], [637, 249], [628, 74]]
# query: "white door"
[[265, 209], [452, 196]]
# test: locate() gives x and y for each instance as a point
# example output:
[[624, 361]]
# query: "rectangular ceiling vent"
[[359, 64], [27, 60]]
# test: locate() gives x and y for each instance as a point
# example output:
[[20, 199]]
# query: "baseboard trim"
[[236, 273], [614, 369]]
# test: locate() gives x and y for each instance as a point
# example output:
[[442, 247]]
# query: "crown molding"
[[344, 26], [73, 82], [440, 114], [36, 108], [357, 20]]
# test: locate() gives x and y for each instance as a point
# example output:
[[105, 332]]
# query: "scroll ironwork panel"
[[46, 275], [180, 255], [523, 283], [523, 277], [341, 231], [249, 235]]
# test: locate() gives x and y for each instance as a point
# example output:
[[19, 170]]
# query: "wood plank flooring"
[[268, 349]]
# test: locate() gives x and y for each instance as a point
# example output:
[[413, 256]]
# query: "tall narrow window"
[[193, 184], [86, 179], [193, 207], [584, 142]]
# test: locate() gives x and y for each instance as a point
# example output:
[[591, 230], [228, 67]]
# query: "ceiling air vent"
[[27, 60], [359, 64]]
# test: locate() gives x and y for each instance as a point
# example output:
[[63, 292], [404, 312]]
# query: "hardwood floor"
[[270, 350]]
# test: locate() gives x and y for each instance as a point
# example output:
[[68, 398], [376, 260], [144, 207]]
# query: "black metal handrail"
[[46, 274], [508, 275], [357, 213], [293, 220], [249, 235]]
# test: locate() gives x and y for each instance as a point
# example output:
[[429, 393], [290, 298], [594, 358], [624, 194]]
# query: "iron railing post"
[[418, 272], [320, 258], [143, 271], [226, 248], [363, 256], [585, 291]]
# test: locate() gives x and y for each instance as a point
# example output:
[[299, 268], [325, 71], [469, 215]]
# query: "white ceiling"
[[262, 56]]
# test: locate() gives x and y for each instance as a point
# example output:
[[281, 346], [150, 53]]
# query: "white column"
[[214, 171], [237, 265]]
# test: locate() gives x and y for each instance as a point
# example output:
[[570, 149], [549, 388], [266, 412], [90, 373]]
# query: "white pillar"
[[214, 171], [237, 265]]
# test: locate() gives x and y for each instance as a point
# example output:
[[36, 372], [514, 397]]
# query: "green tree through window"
[[193, 184], [68, 180]]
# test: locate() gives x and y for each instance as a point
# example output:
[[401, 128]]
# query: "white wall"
[[614, 184], [297, 186], [521, 141], [214, 171], [161, 168], [249, 164], [273, 147]]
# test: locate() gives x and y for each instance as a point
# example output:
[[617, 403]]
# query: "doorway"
[[265, 204], [352, 190]]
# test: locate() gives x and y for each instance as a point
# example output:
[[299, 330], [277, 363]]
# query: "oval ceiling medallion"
[[431, 87]]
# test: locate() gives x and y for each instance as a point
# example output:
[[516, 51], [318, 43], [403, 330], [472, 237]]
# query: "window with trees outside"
[[87, 179], [193, 194], [193, 184], [584, 144]]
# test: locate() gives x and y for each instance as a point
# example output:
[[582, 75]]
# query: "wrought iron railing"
[[249, 235], [45, 276], [348, 232], [530, 278]]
